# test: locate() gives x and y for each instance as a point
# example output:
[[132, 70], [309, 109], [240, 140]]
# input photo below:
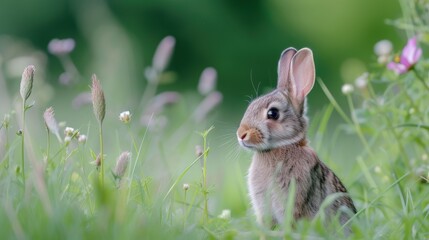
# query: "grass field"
[[175, 171]]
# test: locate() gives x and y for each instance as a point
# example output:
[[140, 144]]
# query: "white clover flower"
[[185, 186], [347, 89], [125, 117], [362, 81], [383, 48], [69, 131], [67, 139], [82, 138], [226, 214]]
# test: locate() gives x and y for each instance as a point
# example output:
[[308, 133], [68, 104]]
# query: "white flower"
[[82, 138], [226, 214], [383, 48], [69, 131], [67, 139], [125, 117], [347, 89], [362, 81], [185, 186]]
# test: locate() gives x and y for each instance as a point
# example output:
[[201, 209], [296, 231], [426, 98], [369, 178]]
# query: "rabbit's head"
[[278, 118]]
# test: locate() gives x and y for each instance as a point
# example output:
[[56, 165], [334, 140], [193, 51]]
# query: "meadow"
[[163, 166]]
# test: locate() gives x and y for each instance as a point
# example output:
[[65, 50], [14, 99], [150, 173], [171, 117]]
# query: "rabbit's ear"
[[302, 75], [283, 68]]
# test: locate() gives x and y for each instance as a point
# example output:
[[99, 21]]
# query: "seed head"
[[97, 161], [98, 101], [51, 122], [163, 53], [207, 81], [27, 82], [198, 150], [207, 105], [122, 164]]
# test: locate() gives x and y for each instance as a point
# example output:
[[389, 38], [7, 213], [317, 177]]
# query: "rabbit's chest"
[[268, 187]]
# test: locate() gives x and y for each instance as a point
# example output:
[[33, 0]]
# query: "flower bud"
[[82, 138], [51, 122], [163, 53], [98, 101], [27, 82], [198, 150], [362, 81], [61, 46], [207, 105], [207, 81], [383, 48], [347, 89], [122, 164]]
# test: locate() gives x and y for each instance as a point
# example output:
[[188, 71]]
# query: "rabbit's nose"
[[242, 132], [243, 135]]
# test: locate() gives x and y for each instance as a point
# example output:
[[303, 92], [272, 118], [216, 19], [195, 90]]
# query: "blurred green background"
[[241, 39]]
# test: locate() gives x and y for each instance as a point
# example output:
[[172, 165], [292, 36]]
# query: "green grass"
[[375, 139]]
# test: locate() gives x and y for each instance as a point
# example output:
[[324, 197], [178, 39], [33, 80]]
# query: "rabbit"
[[274, 127]]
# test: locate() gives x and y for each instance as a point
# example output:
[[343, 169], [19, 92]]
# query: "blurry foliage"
[[241, 39]]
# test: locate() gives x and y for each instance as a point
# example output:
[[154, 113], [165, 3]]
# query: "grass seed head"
[[122, 164], [98, 101], [27, 82], [50, 121]]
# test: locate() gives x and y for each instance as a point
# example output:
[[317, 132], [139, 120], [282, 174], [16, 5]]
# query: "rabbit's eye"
[[273, 113]]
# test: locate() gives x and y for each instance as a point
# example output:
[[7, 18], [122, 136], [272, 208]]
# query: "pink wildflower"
[[409, 57]]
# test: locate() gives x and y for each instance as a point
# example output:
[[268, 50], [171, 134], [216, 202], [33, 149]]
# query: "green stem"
[[419, 77], [22, 142], [7, 148], [357, 127], [132, 138], [101, 154], [389, 124], [206, 213], [48, 147]]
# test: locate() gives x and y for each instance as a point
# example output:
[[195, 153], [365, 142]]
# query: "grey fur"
[[281, 150]]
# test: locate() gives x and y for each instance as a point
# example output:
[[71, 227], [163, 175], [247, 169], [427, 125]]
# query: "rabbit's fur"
[[274, 126]]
